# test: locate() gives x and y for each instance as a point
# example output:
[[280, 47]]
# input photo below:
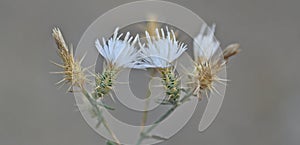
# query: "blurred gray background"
[[261, 105]]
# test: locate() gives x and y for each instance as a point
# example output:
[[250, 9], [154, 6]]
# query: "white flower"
[[161, 50], [205, 45], [119, 53]]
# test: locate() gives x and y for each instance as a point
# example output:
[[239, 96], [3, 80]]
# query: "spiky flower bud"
[[171, 84], [104, 82]]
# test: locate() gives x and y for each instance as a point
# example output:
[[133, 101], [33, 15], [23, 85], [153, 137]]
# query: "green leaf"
[[105, 106], [110, 143], [158, 137]]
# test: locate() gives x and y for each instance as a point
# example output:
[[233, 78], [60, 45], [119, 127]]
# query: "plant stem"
[[144, 134], [110, 131], [148, 94], [101, 119]]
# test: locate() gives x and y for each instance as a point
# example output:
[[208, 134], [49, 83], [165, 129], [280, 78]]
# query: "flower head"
[[161, 50], [119, 53], [206, 70], [74, 73], [205, 74]]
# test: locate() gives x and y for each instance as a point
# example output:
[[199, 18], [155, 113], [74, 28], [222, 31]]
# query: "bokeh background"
[[261, 105]]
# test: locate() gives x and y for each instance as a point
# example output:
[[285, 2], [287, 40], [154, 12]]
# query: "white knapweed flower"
[[204, 44], [119, 53], [161, 50]]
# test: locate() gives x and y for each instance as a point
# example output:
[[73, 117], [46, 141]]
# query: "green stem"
[[145, 133], [99, 115], [148, 94], [156, 123], [94, 105]]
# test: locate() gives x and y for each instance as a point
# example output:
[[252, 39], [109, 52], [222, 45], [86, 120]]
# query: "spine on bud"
[[104, 82], [171, 84]]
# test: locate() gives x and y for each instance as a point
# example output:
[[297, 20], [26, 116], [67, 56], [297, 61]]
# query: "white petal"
[[121, 53], [205, 45], [162, 51]]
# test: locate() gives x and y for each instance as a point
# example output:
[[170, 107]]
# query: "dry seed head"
[[74, 73], [205, 75], [206, 71]]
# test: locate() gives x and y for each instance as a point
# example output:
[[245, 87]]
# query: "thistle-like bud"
[[104, 82], [231, 50], [171, 84]]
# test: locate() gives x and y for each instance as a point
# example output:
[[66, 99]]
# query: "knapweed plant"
[[159, 52]]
